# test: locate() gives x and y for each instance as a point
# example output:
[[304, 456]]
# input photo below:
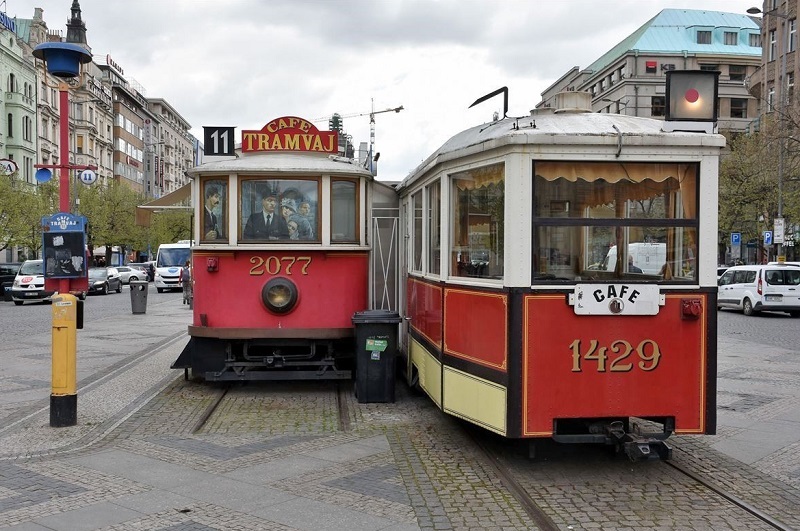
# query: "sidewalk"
[[133, 461]]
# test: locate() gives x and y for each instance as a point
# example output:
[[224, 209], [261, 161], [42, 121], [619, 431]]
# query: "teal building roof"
[[675, 31]]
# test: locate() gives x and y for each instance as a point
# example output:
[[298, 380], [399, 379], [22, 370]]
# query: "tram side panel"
[[516, 363], [331, 287], [234, 328], [594, 367]]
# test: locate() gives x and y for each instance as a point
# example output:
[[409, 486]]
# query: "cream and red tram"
[[281, 260], [560, 278]]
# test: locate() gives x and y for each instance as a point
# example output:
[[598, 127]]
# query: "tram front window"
[[479, 200], [607, 221]]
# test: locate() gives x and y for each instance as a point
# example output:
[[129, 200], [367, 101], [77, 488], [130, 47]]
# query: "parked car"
[[147, 266], [7, 274], [104, 279], [756, 288], [131, 272], [720, 270], [29, 283]]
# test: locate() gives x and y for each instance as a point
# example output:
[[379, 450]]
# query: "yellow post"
[[64, 395]]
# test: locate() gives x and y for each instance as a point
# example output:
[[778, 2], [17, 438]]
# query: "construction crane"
[[371, 115]]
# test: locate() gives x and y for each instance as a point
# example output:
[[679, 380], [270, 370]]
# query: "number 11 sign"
[[218, 140]]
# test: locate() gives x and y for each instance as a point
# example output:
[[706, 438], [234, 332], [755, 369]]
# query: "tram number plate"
[[272, 265], [619, 356], [773, 298]]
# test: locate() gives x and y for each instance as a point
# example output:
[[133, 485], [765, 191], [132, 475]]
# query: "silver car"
[[128, 273]]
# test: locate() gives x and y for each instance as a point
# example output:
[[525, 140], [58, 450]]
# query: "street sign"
[[767, 237], [88, 177], [736, 238], [8, 167], [778, 236]]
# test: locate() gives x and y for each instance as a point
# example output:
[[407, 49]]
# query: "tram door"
[[385, 284]]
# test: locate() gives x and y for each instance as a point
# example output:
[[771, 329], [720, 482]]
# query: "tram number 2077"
[[648, 352], [273, 265]]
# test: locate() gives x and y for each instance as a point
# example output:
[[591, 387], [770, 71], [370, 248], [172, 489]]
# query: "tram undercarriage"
[[266, 359], [637, 439]]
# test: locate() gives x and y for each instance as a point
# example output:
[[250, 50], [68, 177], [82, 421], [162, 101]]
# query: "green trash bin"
[[376, 352], [139, 296]]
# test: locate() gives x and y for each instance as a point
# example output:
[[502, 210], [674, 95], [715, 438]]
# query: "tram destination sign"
[[290, 133], [616, 299]]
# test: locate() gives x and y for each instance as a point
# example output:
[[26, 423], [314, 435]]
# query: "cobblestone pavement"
[[277, 456]]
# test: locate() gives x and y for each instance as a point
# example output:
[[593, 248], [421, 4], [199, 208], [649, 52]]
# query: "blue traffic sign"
[[736, 238], [767, 237]]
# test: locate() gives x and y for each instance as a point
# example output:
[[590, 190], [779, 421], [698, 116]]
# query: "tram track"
[[730, 497], [210, 409]]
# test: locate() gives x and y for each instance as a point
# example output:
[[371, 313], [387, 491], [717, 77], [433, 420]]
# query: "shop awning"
[[171, 201]]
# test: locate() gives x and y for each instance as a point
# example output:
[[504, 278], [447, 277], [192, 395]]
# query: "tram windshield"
[[608, 220]]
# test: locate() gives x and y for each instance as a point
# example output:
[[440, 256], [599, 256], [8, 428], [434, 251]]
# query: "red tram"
[[282, 260], [560, 277], [556, 273]]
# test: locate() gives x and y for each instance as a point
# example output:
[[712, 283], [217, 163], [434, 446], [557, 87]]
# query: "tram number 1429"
[[273, 265], [648, 352]]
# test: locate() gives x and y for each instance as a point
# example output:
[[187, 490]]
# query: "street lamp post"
[[781, 108]]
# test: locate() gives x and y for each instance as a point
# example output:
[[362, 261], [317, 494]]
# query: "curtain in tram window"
[[479, 177], [631, 181]]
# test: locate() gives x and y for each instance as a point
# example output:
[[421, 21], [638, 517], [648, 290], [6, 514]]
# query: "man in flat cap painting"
[[266, 224]]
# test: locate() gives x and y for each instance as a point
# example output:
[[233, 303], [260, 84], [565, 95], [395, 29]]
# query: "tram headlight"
[[279, 295]]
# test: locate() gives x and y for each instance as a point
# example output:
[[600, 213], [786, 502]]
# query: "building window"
[[792, 34], [770, 99], [658, 105], [737, 72], [709, 68], [731, 38], [10, 125], [755, 40], [703, 37], [772, 46], [738, 108], [789, 87], [79, 144]]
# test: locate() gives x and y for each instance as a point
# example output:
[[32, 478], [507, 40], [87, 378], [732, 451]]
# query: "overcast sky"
[[242, 63]]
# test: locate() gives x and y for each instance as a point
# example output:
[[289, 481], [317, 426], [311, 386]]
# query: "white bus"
[[170, 259]]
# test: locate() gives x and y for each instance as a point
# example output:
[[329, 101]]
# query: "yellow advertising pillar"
[[64, 394]]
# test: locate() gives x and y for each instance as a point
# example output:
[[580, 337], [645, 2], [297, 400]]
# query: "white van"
[[648, 257], [29, 283], [170, 259], [755, 288]]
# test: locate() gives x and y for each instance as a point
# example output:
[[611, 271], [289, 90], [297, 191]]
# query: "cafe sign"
[[290, 133]]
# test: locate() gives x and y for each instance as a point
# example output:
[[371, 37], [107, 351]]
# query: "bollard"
[[64, 394]]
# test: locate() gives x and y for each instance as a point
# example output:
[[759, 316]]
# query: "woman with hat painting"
[[289, 212]]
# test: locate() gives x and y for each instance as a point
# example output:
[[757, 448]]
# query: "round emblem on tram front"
[[616, 305]]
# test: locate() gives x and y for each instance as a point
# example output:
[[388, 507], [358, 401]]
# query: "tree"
[[22, 206]]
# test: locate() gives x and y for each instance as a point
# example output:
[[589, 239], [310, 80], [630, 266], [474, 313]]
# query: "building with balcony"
[[630, 78]]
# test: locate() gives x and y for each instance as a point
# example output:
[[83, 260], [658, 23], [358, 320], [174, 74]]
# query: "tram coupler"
[[640, 449], [639, 446]]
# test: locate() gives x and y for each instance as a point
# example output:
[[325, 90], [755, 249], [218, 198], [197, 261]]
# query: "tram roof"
[[568, 128], [282, 163]]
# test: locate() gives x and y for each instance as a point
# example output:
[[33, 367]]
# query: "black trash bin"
[[376, 351], [139, 296]]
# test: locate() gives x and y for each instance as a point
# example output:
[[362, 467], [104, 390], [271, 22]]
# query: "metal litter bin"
[[376, 351], [139, 296]]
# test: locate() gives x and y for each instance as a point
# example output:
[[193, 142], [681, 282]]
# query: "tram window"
[[215, 211], [434, 222], [344, 211], [416, 241], [478, 222], [271, 209], [599, 220]]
